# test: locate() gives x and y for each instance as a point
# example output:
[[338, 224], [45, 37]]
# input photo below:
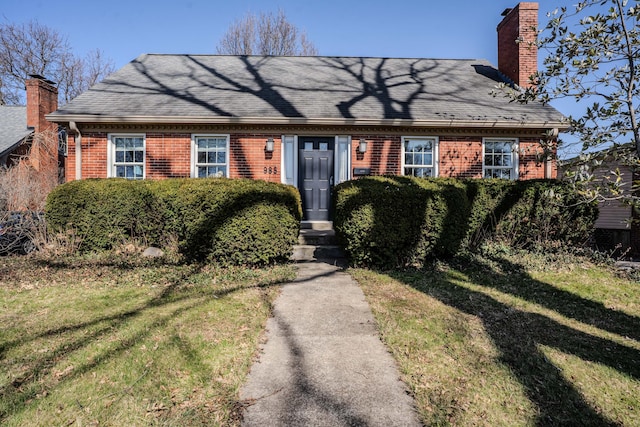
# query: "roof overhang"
[[482, 123]]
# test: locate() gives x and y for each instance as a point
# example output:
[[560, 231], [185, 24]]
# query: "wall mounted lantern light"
[[269, 146], [362, 147]]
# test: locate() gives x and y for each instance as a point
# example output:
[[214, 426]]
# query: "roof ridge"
[[312, 56]]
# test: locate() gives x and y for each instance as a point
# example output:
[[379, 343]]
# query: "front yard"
[[500, 340], [488, 341], [113, 342]]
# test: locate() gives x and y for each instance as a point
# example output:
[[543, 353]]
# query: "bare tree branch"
[[33, 48], [265, 34]]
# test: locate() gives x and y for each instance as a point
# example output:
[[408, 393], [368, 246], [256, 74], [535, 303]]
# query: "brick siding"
[[168, 155]]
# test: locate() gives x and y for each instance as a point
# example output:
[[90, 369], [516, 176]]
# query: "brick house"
[[313, 122]]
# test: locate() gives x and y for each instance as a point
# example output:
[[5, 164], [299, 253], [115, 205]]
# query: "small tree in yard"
[[265, 34], [594, 59]]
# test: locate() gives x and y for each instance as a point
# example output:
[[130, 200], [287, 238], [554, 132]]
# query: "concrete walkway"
[[323, 363]]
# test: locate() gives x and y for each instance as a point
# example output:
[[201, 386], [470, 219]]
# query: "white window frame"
[[111, 153], [514, 156], [436, 157], [194, 153]]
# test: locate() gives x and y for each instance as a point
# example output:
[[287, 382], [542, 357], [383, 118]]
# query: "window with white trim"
[[210, 156], [419, 155], [499, 158], [126, 158]]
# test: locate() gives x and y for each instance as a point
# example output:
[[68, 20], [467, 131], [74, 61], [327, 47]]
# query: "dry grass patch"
[[513, 340], [128, 342]]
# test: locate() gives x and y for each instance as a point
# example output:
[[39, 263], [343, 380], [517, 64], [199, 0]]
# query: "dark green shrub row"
[[389, 222], [226, 221]]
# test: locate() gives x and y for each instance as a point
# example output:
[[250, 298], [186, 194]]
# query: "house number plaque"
[[270, 170]]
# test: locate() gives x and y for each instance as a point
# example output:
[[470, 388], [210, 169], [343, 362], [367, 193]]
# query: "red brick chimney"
[[517, 51], [42, 98]]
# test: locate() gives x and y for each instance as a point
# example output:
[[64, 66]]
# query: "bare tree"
[[25, 184], [265, 34], [33, 48]]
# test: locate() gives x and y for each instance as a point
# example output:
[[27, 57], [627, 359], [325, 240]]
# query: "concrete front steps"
[[317, 240]]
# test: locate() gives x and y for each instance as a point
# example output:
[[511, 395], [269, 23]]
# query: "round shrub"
[[398, 221]]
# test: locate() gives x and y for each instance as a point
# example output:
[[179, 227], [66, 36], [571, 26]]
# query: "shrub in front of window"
[[398, 221], [204, 215], [105, 213], [234, 221], [536, 213], [388, 222]]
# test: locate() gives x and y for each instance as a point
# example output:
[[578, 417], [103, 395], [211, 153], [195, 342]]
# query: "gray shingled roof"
[[13, 127], [273, 89]]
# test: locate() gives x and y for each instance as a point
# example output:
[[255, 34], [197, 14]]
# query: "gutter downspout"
[[78, 142], [547, 162]]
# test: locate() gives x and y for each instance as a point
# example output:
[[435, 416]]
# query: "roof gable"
[[336, 89]]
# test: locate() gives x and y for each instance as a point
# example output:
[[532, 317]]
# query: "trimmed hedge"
[[239, 221], [389, 222]]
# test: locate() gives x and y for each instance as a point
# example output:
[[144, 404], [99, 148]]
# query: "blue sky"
[[400, 28], [464, 29]]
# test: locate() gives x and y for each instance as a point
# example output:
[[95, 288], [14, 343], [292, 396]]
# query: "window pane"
[[119, 143], [139, 156], [215, 171], [221, 157], [427, 159], [324, 146], [424, 172], [408, 159], [120, 171], [128, 156], [202, 157], [119, 156], [308, 146], [137, 171]]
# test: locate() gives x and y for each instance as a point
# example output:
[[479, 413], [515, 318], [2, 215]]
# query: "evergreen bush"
[[227, 221], [389, 222]]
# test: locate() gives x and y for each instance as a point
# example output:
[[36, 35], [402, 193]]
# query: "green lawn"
[[117, 342], [509, 340], [492, 341]]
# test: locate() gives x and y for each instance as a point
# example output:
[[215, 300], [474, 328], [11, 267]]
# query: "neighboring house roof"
[[305, 90], [13, 127]]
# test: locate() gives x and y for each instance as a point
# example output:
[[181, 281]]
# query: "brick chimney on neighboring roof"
[[42, 98], [517, 51]]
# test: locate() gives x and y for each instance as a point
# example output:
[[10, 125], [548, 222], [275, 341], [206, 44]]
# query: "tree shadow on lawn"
[[518, 334], [17, 394]]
